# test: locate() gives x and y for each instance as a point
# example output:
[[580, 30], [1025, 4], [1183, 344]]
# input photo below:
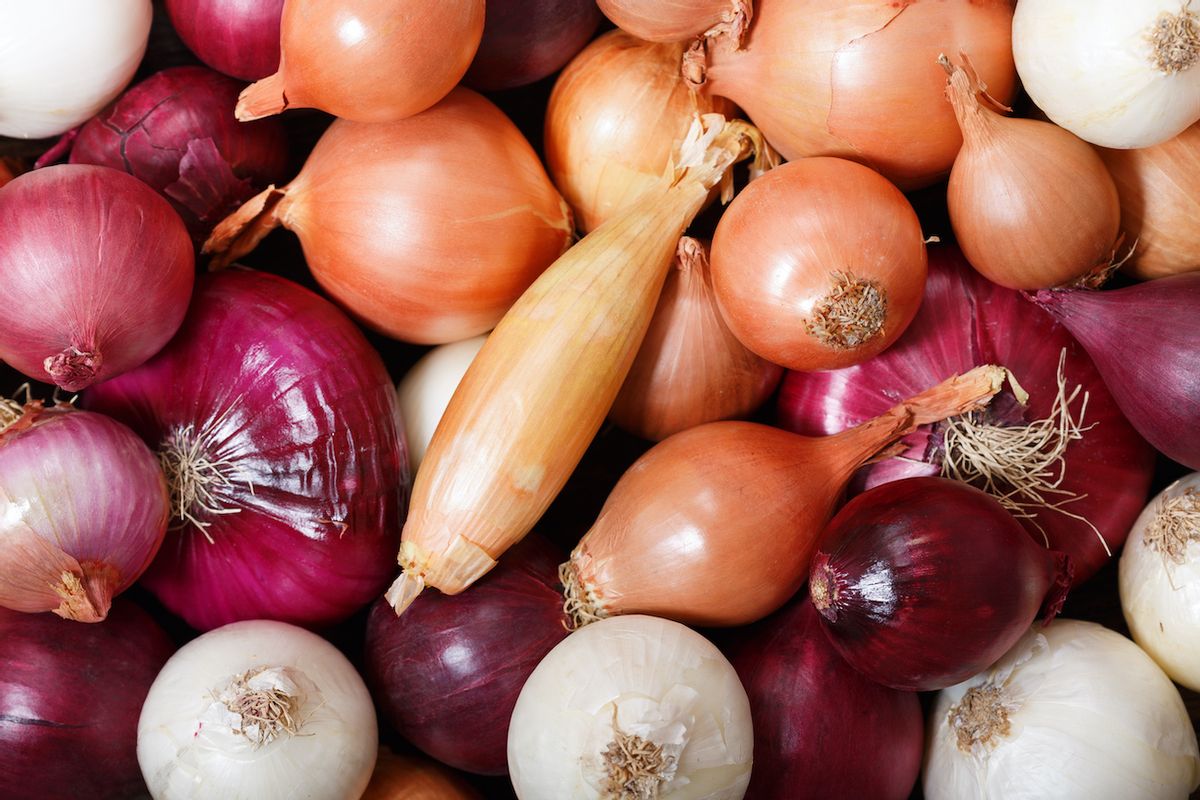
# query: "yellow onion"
[[414, 778], [673, 21]]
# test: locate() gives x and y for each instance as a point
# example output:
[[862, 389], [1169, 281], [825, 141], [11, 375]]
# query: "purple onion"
[[237, 37], [526, 40]]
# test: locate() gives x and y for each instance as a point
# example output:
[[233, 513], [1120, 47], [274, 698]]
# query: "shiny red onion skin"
[[70, 696], [527, 40], [239, 38], [966, 320], [1145, 340], [821, 728], [286, 391], [447, 673], [175, 131], [924, 582], [95, 268]]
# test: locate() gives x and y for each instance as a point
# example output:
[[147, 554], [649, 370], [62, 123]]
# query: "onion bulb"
[[257, 709], [526, 40], [1073, 710], [617, 113], [412, 778], [636, 707], [673, 21], [858, 80], [1160, 581], [819, 265], [367, 60], [1032, 205], [237, 37], [425, 391], [1117, 73]]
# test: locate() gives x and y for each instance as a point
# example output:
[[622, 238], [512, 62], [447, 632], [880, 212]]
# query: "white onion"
[[425, 391], [1073, 710], [61, 61], [193, 744], [1095, 68], [1160, 580], [642, 682]]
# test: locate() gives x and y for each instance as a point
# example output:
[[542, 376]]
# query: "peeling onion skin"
[[239, 38]]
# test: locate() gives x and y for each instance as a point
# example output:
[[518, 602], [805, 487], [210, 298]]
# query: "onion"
[[175, 131], [1067, 464], [410, 778], [1158, 210], [822, 729], [713, 527], [276, 424], [616, 115], [447, 674], [526, 40], [631, 707], [1143, 340], [83, 510], [858, 81], [1118, 73], [674, 21], [690, 369], [257, 709], [1073, 710], [62, 61], [74, 312], [1159, 587], [237, 37], [913, 598], [1032, 206], [426, 389], [69, 703], [427, 229], [819, 265], [367, 60]]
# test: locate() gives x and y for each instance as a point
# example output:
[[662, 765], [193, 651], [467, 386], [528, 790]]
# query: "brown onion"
[[675, 21], [414, 778]]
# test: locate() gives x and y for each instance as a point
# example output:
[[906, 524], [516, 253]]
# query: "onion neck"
[[87, 597], [981, 719], [74, 368], [964, 90], [1174, 41]]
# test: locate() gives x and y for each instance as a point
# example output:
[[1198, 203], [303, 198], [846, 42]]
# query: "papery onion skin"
[[175, 131], [966, 320], [821, 728], [412, 778], [616, 115], [674, 21], [108, 308], [367, 60], [860, 81], [63, 61], [239, 38], [306, 463], [426, 389], [447, 673], [69, 703], [1143, 340], [426, 229], [527, 40], [83, 510], [819, 264]]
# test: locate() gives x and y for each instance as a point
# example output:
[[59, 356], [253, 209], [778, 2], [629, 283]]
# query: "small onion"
[[83, 510], [629, 707], [425, 391], [237, 37], [411, 778], [257, 709], [526, 40]]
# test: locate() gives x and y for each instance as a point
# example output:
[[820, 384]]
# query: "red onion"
[[236, 37], [83, 510], [70, 697], [964, 320], [447, 673], [526, 40], [1144, 340], [95, 274], [276, 424], [924, 582], [176, 132], [821, 729]]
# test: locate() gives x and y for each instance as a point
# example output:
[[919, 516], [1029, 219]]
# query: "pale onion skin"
[[778, 245], [811, 77], [1161, 598], [332, 756], [1090, 68], [410, 777], [650, 673], [367, 60], [1091, 716], [1159, 204], [426, 389], [616, 114], [63, 60], [671, 20]]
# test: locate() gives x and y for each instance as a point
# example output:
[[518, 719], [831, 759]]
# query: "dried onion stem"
[[1175, 525], [1175, 41], [636, 768], [581, 606], [266, 714], [981, 718]]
